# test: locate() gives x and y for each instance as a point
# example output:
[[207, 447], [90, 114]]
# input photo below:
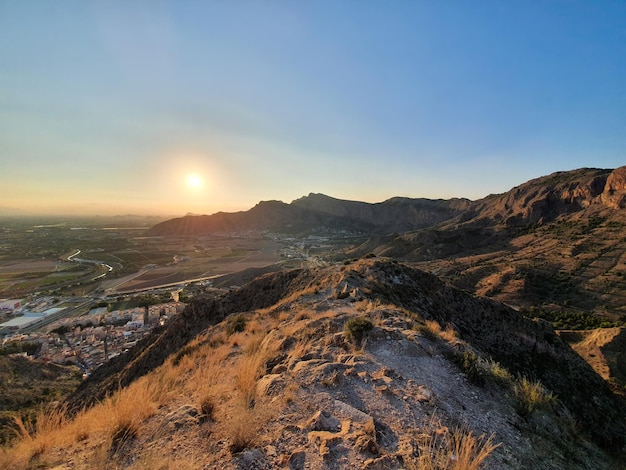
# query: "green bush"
[[357, 328], [236, 324], [469, 363]]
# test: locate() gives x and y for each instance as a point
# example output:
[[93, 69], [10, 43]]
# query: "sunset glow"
[[194, 180], [215, 106]]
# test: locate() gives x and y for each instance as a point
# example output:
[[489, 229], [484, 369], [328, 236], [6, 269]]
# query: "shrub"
[[206, 407], [530, 396], [357, 328], [236, 324], [469, 363], [499, 374]]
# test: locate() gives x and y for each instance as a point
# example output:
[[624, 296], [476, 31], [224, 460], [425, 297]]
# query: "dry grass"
[[248, 372], [499, 374], [112, 422], [241, 429], [121, 416], [456, 450], [257, 350], [35, 439], [530, 396], [245, 425], [205, 383], [432, 330]]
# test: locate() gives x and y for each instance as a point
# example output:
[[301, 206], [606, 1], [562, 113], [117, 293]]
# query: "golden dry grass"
[[250, 367], [530, 396], [453, 450], [432, 330], [120, 417], [34, 441]]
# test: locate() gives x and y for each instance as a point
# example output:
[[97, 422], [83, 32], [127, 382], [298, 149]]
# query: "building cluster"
[[92, 340]]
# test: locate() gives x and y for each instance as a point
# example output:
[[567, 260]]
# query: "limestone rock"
[[614, 194], [270, 384], [324, 421]]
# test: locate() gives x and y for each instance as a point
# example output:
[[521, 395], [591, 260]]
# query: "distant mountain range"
[[537, 201], [556, 242]]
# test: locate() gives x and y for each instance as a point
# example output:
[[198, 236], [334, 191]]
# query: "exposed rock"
[[252, 459], [614, 194], [324, 421], [387, 462], [296, 460], [365, 443], [352, 413], [270, 384]]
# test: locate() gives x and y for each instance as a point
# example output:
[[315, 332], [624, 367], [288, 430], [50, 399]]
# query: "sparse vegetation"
[[499, 374], [453, 450], [432, 330], [530, 396], [572, 320], [236, 324], [470, 364], [356, 329]]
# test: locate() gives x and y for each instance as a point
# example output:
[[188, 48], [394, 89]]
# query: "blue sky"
[[107, 106]]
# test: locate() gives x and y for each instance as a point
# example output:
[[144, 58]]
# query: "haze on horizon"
[[173, 107]]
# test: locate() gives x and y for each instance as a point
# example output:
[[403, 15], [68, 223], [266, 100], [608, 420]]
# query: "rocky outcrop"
[[543, 199], [614, 194]]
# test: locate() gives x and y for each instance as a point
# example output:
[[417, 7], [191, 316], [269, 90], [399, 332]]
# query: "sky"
[[198, 106]]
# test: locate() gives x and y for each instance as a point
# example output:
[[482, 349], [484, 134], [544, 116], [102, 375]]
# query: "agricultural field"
[[91, 256]]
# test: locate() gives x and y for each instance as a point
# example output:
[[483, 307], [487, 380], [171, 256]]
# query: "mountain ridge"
[[537, 201], [525, 347]]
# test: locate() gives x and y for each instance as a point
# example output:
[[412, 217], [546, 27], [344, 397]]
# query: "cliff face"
[[614, 194], [543, 199]]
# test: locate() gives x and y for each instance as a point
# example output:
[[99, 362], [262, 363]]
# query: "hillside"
[[319, 212], [371, 365], [25, 382], [555, 243], [604, 349]]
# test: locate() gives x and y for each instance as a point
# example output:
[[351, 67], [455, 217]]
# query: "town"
[[93, 339]]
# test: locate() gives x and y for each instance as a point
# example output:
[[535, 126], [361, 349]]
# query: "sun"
[[194, 180]]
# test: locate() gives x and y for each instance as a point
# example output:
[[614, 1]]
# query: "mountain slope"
[[273, 216], [394, 215], [368, 365], [318, 211], [522, 346], [554, 242]]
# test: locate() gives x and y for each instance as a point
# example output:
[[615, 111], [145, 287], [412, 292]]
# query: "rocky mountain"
[[372, 364], [274, 216], [317, 211], [556, 242], [394, 215], [544, 199], [536, 202]]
